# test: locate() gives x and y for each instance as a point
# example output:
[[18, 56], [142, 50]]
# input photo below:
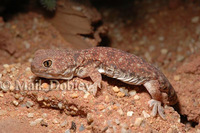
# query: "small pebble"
[[60, 105], [101, 107], [152, 21], [17, 96], [138, 121], [129, 113], [67, 131], [55, 121], [63, 124], [120, 94], [107, 99], [30, 115], [151, 48], [40, 98], [116, 89], [120, 111], [164, 51], [29, 104], [44, 115], [77, 8], [37, 121], [117, 121], [132, 92], [6, 66], [145, 114], [74, 95], [124, 125], [27, 44], [16, 103], [86, 95], [43, 123], [180, 58], [195, 19], [177, 77], [161, 38], [90, 118], [1, 94], [28, 69], [12, 88], [136, 97], [81, 128]]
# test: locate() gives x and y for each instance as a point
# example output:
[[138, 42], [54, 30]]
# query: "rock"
[[40, 98], [63, 124], [90, 118], [145, 114], [1, 94], [86, 95], [117, 121], [55, 121], [43, 123], [74, 95], [60, 105], [44, 115], [151, 48], [180, 58], [101, 107], [37, 121], [129, 113], [132, 92], [16, 103], [152, 20], [67, 131], [136, 97], [120, 111], [81, 128], [120, 94], [177, 77], [30, 115], [195, 19], [29, 104], [164, 51], [138, 121], [161, 38], [116, 89]]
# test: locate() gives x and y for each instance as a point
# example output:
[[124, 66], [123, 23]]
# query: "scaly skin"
[[126, 67]]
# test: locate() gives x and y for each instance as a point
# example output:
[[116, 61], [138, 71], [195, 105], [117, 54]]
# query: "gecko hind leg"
[[152, 87]]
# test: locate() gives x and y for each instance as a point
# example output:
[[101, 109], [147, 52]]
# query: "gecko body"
[[126, 67]]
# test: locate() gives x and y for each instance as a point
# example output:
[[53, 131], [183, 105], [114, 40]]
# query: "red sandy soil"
[[169, 38]]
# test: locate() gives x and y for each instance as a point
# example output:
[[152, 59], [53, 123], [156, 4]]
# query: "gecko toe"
[[157, 108]]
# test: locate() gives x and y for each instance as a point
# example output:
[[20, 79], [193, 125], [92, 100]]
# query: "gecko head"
[[168, 93], [52, 64]]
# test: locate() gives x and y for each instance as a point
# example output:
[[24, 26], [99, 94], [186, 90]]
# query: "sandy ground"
[[165, 36]]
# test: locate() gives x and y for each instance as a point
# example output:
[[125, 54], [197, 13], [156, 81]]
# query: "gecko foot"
[[95, 87], [157, 108]]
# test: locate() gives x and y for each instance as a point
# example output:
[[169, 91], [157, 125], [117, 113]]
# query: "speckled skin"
[[108, 61]]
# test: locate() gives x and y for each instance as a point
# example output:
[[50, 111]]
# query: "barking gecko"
[[114, 63]]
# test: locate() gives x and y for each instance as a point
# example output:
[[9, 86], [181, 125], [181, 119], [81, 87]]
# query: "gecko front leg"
[[152, 87], [94, 75]]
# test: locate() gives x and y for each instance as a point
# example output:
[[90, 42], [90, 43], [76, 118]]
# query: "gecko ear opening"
[[47, 63]]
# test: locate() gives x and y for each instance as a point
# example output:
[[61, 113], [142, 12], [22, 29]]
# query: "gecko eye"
[[47, 63]]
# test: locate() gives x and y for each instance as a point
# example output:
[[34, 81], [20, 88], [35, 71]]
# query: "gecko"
[[114, 63]]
